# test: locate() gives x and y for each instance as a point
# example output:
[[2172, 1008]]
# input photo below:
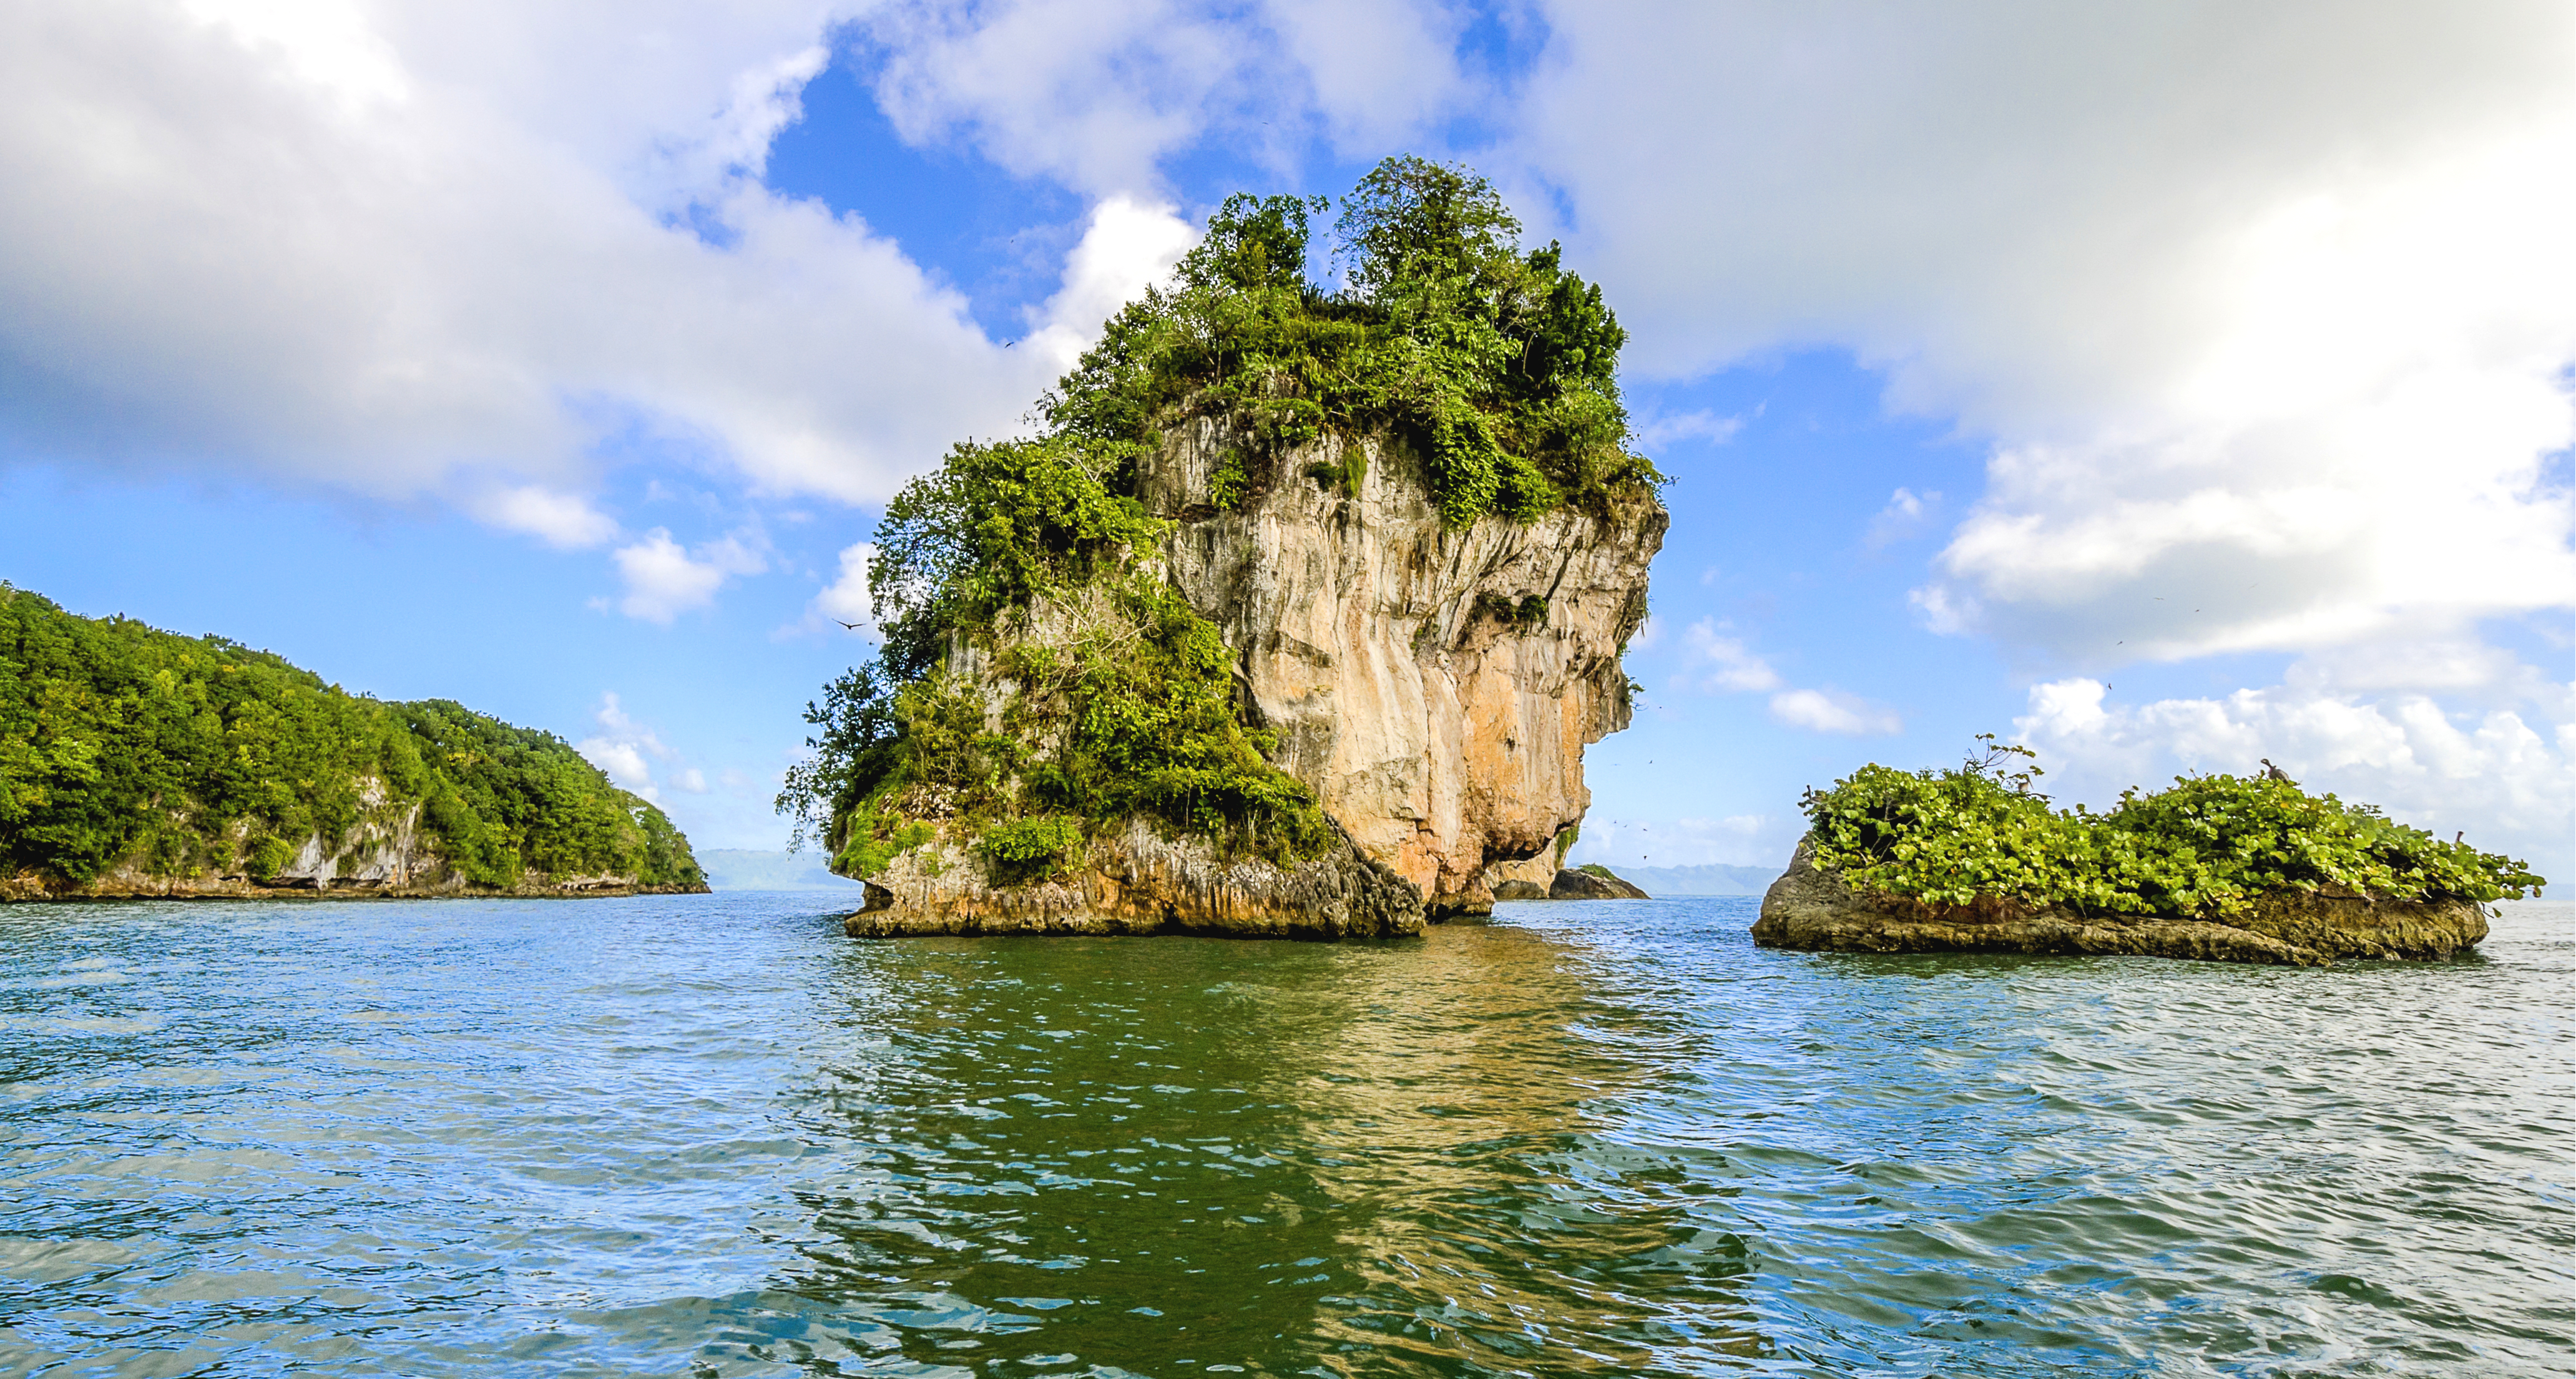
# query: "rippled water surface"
[[710, 1136]]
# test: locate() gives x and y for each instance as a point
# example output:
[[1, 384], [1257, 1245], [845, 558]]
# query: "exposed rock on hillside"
[[1436, 687], [1809, 908]]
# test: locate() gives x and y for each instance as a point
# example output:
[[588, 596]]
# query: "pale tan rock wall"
[[1443, 738]]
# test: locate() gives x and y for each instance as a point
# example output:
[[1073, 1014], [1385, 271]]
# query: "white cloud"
[[844, 605], [1717, 663], [1906, 513], [375, 247], [664, 579], [1655, 432], [563, 520], [2508, 781], [1097, 93], [2271, 318], [1832, 711], [1127, 245], [692, 780], [626, 749]]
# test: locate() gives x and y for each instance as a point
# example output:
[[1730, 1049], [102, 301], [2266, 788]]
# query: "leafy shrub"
[[2206, 848], [1028, 849]]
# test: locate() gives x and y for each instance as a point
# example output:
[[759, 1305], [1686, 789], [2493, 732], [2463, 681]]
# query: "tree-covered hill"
[[129, 754]]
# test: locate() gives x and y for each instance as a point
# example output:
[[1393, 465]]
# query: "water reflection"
[[1350, 1159], [710, 1136]]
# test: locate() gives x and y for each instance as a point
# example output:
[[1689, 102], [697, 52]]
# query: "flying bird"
[[850, 625]]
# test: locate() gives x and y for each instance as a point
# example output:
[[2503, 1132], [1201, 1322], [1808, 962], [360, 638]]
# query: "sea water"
[[709, 1135]]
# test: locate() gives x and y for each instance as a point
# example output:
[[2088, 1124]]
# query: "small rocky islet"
[[1294, 621], [2222, 868]]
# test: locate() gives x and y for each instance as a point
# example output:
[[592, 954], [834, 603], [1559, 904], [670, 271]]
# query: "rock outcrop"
[[1436, 687], [1575, 883], [1812, 908], [1141, 882], [1541, 879], [386, 856]]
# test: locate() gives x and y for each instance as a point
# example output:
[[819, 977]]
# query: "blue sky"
[[2161, 391]]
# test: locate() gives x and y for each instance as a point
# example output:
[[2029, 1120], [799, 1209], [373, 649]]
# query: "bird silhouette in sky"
[[850, 625]]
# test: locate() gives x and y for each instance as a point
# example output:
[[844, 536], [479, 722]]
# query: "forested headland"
[[139, 761]]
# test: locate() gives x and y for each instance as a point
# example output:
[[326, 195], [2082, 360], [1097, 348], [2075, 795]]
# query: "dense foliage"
[[1497, 367], [2206, 848], [1123, 702], [123, 744]]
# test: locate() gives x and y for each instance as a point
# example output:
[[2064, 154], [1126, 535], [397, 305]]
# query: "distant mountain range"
[[1661, 882], [741, 869]]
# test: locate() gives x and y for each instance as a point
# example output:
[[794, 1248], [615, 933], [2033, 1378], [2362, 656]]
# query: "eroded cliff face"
[[1436, 687]]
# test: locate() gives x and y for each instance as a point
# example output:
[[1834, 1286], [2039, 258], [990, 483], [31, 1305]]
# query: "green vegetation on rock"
[[2206, 848], [125, 746], [1122, 701], [1040, 684], [1498, 367]]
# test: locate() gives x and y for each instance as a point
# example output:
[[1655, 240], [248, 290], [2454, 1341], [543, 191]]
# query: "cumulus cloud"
[[1906, 513], [1715, 663], [1655, 431], [665, 579], [375, 247], [845, 604], [2271, 318], [625, 749], [563, 520], [1098, 93], [1718, 663], [1832, 711], [2507, 780], [1127, 246]]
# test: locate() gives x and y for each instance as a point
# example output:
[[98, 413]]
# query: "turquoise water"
[[710, 1136]]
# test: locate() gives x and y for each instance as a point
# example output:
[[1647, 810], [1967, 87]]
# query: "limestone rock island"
[[1295, 618]]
